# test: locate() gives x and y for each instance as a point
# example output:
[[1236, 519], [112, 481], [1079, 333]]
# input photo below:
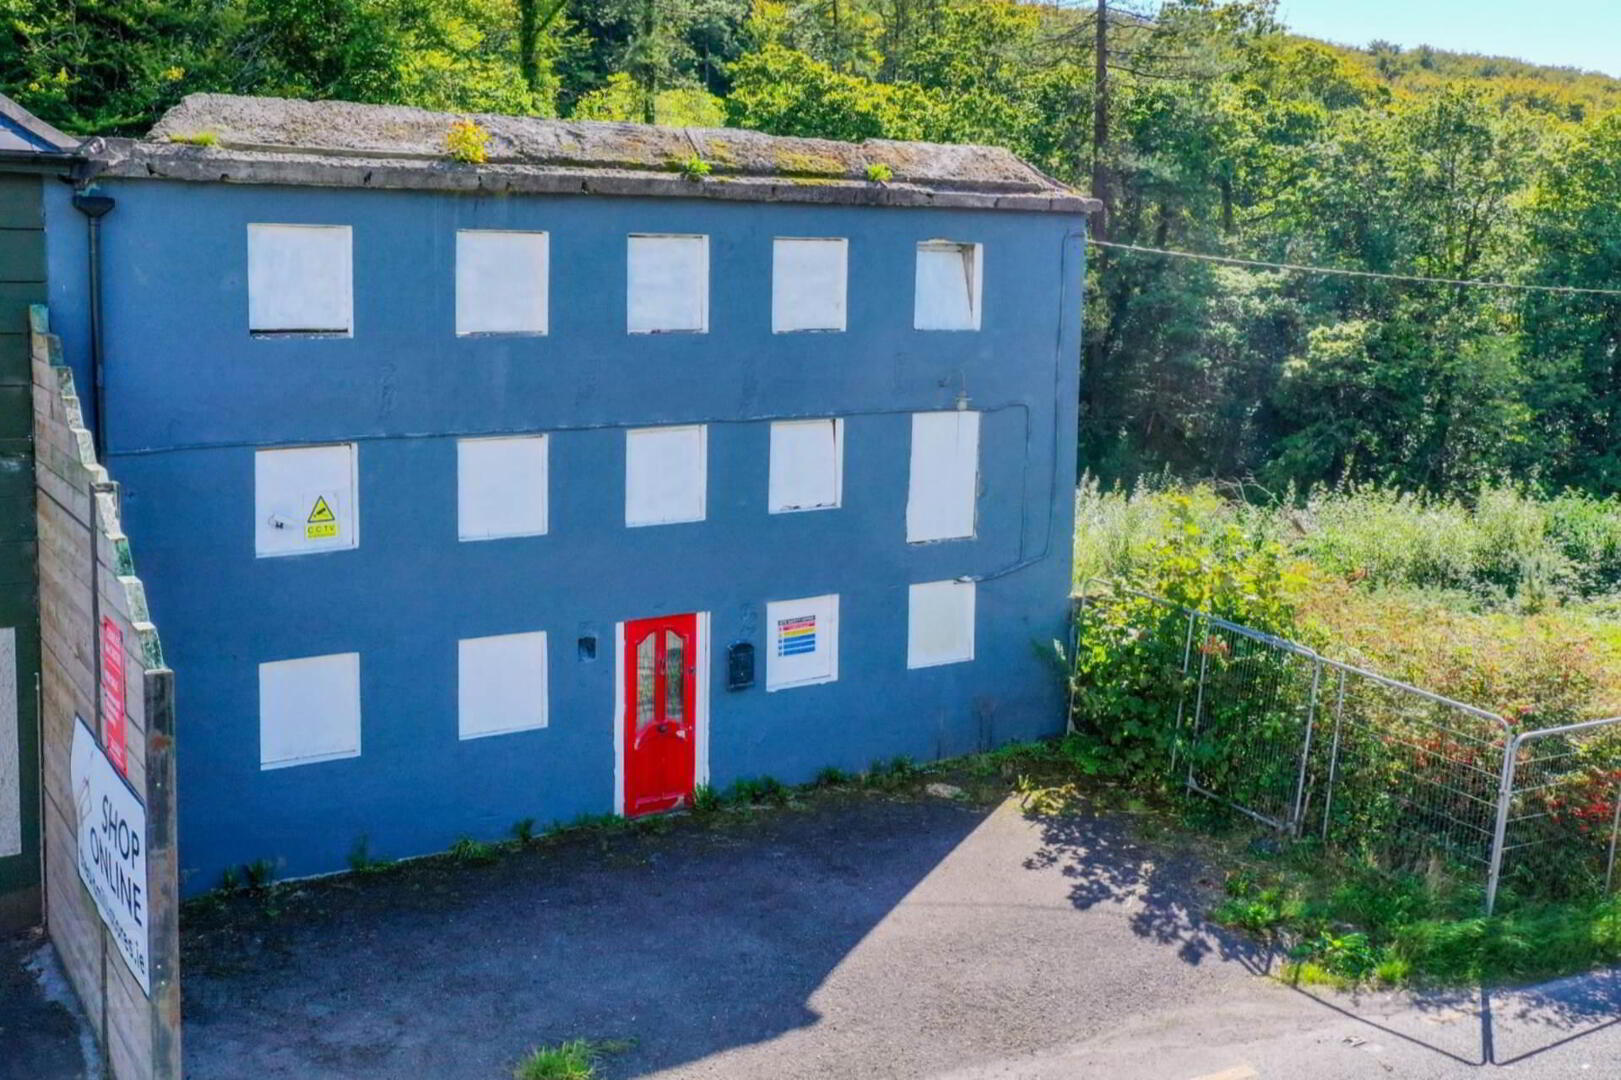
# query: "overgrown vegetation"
[[1500, 600], [1347, 924]]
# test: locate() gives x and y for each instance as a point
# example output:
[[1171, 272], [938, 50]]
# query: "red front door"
[[661, 727]]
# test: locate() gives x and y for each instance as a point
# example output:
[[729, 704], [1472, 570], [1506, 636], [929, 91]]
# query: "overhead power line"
[[1333, 271]]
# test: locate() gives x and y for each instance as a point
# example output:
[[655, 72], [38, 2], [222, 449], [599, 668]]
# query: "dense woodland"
[[1214, 131]]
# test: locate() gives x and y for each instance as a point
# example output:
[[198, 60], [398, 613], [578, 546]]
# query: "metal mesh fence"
[[1410, 776], [1561, 816], [1252, 721], [1387, 772]]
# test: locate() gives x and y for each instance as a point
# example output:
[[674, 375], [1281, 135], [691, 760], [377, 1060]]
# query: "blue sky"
[[1570, 33]]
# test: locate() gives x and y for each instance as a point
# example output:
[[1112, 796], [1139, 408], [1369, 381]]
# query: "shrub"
[[468, 142], [1128, 685]]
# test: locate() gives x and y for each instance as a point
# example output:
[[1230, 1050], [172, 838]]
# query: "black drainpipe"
[[96, 207]]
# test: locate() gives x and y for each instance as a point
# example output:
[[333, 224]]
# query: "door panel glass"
[[646, 672], [675, 677]]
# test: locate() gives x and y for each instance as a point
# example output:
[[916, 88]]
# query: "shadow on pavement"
[[1168, 890], [690, 943], [1493, 1027]]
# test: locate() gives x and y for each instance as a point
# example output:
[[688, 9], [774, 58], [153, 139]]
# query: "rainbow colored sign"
[[796, 636]]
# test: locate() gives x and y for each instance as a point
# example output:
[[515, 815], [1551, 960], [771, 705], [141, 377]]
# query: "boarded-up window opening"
[[309, 710], [501, 487], [807, 465], [501, 684], [940, 623], [665, 475], [667, 284], [300, 279], [305, 500], [501, 282], [802, 642], [949, 286], [944, 484], [808, 284]]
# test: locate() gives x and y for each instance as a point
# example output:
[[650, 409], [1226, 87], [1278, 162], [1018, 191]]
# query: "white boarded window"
[[667, 286], [304, 500], [803, 642], [665, 475], [807, 465], [939, 623], [948, 286], [309, 710], [808, 284], [501, 487], [300, 279], [500, 684], [501, 282], [944, 487]]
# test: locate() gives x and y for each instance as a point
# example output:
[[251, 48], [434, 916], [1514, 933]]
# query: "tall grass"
[[1505, 549], [1506, 601]]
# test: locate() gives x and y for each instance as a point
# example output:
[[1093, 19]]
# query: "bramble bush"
[[1127, 681], [1488, 603]]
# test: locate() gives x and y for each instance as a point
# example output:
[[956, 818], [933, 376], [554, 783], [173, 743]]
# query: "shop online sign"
[[112, 849]]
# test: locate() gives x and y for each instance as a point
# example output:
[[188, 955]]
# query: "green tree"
[[1574, 226], [786, 92], [110, 66], [621, 99]]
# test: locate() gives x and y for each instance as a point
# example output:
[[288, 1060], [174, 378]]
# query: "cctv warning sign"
[[322, 524]]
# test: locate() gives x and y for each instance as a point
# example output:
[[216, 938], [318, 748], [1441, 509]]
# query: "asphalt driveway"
[[859, 937]]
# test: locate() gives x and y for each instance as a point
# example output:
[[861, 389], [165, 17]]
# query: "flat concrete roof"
[[254, 140]]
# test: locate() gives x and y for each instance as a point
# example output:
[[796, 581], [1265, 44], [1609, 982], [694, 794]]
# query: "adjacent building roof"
[[23, 133], [224, 138]]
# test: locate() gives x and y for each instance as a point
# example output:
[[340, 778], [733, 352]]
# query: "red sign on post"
[[112, 695]]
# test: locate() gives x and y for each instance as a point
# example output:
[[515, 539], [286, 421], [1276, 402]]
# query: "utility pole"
[[1100, 122]]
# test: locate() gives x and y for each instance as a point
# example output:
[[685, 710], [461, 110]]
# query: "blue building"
[[569, 481]]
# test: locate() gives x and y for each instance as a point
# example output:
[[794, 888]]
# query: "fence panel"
[[1250, 737], [1410, 776], [1561, 822], [1385, 771]]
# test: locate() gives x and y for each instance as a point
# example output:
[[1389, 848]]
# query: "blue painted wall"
[[190, 395]]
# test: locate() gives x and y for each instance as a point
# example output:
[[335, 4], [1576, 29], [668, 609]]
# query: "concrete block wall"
[[86, 573]]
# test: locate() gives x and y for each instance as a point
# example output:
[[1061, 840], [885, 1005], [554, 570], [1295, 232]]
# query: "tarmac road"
[[860, 938]]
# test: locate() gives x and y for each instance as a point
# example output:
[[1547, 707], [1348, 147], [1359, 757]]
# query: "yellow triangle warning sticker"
[[322, 524]]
